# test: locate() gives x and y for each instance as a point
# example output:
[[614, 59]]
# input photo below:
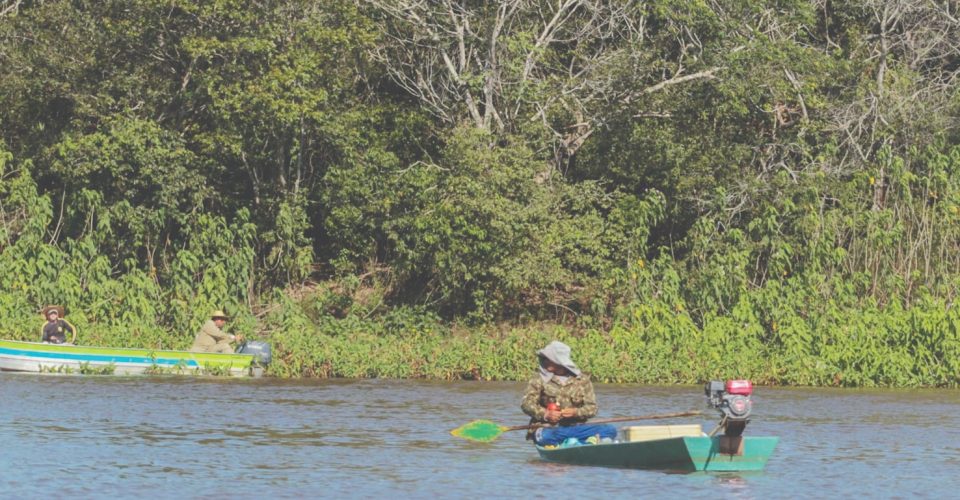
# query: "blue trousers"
[[546, 436]]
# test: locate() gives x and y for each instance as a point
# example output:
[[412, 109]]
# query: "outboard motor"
[[732, 400], [259, 349]]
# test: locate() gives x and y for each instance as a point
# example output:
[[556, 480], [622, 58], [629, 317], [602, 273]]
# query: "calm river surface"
[[72, 436]]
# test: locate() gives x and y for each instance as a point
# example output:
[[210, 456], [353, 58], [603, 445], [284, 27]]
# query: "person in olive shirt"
[[55, 330], [562, 398], [212, 338]]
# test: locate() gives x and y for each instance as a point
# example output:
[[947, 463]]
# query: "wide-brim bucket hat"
[[219, 314], [559, 353]]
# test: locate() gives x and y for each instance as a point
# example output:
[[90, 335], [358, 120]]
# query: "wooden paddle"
[[484, 431]]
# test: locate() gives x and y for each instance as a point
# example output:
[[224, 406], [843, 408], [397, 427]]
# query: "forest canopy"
[[653, 178]]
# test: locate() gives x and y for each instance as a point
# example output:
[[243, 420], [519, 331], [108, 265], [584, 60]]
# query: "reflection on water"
[[88, 436]]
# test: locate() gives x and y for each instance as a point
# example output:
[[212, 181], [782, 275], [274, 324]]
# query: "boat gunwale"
[[147, 352]]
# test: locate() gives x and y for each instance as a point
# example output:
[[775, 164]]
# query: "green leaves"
[[689, 189], [485, 230], [133, 161]]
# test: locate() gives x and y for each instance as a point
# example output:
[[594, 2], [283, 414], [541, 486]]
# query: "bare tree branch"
[[920, 41], [523, 60], [681, 79], [9, 7]]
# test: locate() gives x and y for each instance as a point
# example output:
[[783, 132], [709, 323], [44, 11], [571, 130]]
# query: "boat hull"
[[684, 454], [61, 358]]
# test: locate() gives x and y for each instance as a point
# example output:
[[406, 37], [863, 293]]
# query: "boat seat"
[[653, 432]]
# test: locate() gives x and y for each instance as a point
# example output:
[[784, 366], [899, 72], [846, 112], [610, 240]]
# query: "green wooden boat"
[[681, 454]]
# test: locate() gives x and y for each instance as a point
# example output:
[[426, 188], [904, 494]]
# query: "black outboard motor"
[[259, 349], [732, 400]]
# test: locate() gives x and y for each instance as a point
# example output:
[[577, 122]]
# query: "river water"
[[75, 436]]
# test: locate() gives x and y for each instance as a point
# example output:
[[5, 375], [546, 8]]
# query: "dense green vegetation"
[[679, 189]]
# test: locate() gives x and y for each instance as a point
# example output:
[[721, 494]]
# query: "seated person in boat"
[[55, 330], [212, 338], [562, 397]]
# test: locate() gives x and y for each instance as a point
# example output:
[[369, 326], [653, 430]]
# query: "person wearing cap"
[[55, 330], [212, 338], [561, 397]]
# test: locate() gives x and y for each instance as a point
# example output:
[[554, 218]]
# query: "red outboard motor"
[[732, 400]]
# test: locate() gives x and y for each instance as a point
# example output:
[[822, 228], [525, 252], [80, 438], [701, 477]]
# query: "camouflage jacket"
[[576, 393]]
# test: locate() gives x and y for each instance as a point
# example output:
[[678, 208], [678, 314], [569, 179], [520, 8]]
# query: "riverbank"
[[647, 343], [651, 343]]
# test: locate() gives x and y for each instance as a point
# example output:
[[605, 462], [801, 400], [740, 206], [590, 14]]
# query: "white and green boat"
[[40, 357]]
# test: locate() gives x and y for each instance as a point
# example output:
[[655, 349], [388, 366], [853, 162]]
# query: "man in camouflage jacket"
[[561, 394], [575, 393]]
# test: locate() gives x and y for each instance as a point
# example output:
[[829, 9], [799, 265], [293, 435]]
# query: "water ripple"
[[96, 437]]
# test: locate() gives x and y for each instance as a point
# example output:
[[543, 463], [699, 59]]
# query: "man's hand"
[[568, 413], [238, 337], [554, 416]]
